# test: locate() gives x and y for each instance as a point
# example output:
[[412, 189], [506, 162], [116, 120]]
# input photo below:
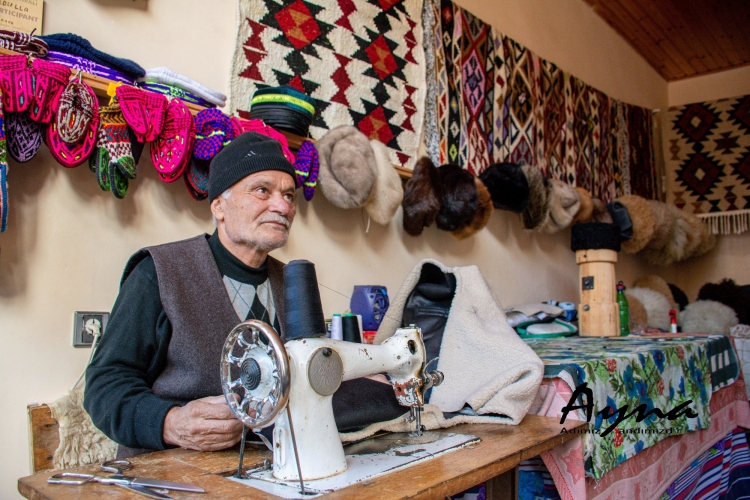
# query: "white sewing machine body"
[[317, 367]]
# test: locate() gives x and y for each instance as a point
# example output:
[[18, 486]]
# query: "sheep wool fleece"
[[484, 361]]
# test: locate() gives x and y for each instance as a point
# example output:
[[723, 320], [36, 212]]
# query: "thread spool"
[[336, 331], [302, 307], [350, 328]]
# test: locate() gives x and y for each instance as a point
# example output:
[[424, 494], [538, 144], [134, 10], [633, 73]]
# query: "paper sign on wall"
[[21, 15]]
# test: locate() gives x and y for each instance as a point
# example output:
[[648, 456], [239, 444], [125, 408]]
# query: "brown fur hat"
[[664, 224], [563, 205], [638, 314], [683, 240], [657, 306], [537, 211], [460, 198], [657, 284], [586, 210], [482, 217], [507, 185], [601, 214], [388, 192], [708, 242], [347, 167], [643, 220], [423, 195]]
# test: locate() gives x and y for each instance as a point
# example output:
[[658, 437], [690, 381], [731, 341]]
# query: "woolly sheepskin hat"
[[482, 217], [644, 223], [563, 205], [657, 306], [684, 239], [730, 294], [507, 185], [600, 214], [707, 316], [586, 210], [460, 198], [388, 193], [537, 210], [347, 167], [423, 195], [657, 284]]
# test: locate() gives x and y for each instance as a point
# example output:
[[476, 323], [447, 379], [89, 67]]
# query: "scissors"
[[137, 484]]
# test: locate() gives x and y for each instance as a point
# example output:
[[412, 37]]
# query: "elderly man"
[[154, 381]]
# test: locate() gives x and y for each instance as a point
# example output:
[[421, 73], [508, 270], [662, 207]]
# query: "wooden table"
[[494, 459]]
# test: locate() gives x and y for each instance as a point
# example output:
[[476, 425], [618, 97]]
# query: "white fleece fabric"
[[167, 76], [484, 361]]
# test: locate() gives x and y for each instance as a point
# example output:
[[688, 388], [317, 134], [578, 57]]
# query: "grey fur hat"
[[348, 168], [388, 192], [537, 210]]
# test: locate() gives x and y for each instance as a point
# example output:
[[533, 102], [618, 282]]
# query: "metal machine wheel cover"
[[255, 373]]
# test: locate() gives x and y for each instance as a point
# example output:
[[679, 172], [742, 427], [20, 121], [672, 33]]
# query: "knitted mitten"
[[24, 136], [114, 137], [3, 173]]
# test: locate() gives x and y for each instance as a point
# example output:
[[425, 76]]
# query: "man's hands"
[[204, 424]]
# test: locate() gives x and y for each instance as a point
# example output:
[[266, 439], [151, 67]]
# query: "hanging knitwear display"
[[708, 162], [362, 62]]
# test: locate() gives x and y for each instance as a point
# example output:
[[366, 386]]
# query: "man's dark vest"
[[196, 302]]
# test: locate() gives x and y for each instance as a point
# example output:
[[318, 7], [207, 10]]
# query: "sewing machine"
[[262, 377]]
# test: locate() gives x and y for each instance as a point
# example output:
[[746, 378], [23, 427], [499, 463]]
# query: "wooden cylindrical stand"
[[598, 313]]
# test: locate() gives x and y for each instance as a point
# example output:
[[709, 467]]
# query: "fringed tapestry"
[[361, 60], [708, 162], [533, 112]]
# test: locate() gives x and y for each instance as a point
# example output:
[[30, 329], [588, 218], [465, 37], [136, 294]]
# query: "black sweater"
[[133, 352]]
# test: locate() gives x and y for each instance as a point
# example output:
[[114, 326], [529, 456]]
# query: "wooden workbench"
[[494, 459]]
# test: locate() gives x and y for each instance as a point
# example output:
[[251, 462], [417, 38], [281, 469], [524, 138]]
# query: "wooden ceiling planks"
[[682, 38]]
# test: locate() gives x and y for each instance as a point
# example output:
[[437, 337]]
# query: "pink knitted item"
[[241, 126], [48, 80], [144, 111], [72, 155], [15, 79], [169, 150], [74, 111]]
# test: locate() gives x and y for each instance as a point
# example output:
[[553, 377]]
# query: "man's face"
[[260, 210]]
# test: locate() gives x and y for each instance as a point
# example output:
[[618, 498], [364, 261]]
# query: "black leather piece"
[[621, 219], [361, 402]]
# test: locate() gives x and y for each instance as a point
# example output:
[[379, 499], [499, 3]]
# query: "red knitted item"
[[241, 126], [75, 110], [174, 144], [15, 79], [72, 155], [48, 80], [143, 111]]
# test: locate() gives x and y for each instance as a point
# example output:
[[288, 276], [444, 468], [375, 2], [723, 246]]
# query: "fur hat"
[[680, 297], [657, 306], [638, 314], [507, 185], [730, 294], [481, 217], [388, 192], [460, 198], [707, 243], [537, 210], [563, 205], [586, 209], [683, 240], [600, 212], [657, 284], [707, 316], [347, 167], [664, 224], [423, 195], [644, 223]]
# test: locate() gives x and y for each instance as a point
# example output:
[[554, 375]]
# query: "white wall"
[[67, 240]]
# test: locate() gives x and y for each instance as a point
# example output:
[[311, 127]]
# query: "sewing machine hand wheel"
[[255, 373]]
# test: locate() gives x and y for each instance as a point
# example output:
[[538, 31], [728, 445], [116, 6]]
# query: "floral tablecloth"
[[661, 373]]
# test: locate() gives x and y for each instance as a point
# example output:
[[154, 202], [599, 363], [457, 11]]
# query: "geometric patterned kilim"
[[361, 60], [708, 161], [518, 107]]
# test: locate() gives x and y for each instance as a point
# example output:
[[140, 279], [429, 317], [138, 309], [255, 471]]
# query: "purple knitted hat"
[[24, 136], [307, 166], [213, 131]]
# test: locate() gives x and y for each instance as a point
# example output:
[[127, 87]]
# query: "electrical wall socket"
[[81, 336]]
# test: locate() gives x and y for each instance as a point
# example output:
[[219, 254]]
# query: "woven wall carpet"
[[361, 60]]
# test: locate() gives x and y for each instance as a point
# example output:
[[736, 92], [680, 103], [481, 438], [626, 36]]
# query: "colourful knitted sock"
[[114, 137]]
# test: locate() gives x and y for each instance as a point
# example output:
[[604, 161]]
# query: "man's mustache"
[[277, 218]]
